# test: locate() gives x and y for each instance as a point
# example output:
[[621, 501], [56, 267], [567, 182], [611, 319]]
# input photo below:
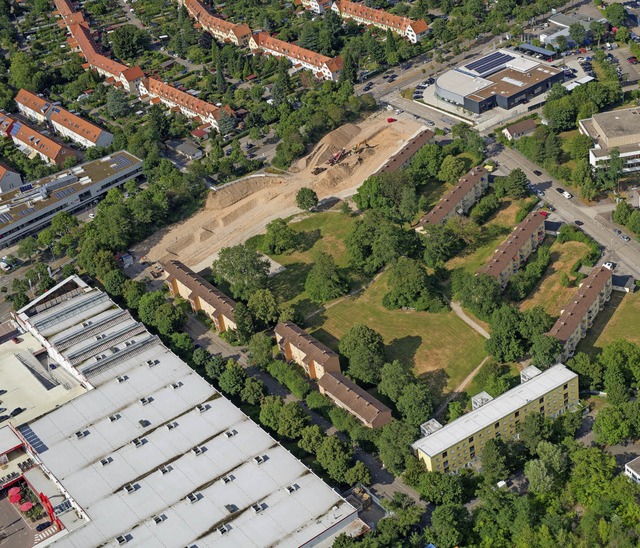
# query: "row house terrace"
[[33, 143], [203, 297], [516, 249], [459, 199], [223, 31], [577, 317], [412, 30], [321, 66]]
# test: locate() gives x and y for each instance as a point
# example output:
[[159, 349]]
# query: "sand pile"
[[330, 144]]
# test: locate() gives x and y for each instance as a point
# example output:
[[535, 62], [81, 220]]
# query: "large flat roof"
[[619, 123], [510, 81], [125, 450], [505, 404]]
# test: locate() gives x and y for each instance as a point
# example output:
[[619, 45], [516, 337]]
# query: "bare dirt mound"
[[330, 144], [233, 193]]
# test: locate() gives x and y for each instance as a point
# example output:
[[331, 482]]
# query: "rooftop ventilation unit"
[[193, 497], [165, 469], [259, 459], [139, 442], [122, 378], [429, 427], [159, 519], [258, 507], [172, 425], [198, 450], [81, 434], [177, 385], [230, 433], [292, 488], [201, 407], [129, 488], [115, 417], [528, 373], [480, 399], [122, 539], [106, 461], [228, 479]]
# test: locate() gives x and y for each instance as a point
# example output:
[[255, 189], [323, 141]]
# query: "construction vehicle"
[[317, 170], [360, 147], [337, 157]]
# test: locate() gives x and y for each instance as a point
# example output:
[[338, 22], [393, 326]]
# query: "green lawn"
[[439, 346]]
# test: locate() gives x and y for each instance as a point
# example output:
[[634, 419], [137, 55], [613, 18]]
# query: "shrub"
[[291, 376]]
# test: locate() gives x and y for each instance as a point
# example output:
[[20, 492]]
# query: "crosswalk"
[[43, 535]]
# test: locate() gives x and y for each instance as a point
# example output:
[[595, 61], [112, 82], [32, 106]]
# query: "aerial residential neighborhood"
[[319, 273]]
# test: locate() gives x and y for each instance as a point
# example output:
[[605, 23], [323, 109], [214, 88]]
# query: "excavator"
[[360, 147], [337, 157]]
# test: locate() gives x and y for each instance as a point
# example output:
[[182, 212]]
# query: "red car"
[[390, 120], [545, 214], [633, 60]]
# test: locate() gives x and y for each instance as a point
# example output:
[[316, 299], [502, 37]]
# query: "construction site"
[[336, 167]]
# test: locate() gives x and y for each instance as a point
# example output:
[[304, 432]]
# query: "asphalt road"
[[595, 218]]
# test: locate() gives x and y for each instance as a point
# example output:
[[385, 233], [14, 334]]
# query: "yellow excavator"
[[360, 147]]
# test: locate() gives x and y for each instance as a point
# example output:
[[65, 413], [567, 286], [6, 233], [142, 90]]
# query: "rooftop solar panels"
[[490, 63], [27, 211], [16, 127], [63, 193], [6, 217], [121, 161], [24, 188]]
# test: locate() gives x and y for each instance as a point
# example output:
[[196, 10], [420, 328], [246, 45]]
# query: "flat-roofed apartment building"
[[516, 249], [298, 346], [617, 129], [357, 401], [30, 208], [460, 443], [412, 30], [203, 297], [327, 68], [459, 199], [578, 315], [152, 454], [223, 31], [632, 470], [62, 121]]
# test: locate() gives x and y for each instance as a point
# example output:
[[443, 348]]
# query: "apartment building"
[[412, 30], [223, 31], [578, 315], [617, 129], [33, 143], [62, 121], [353, 399], [460, 443], [321, 66], [516, 249], [28, 209], [190, 106], [9, 179], [298, 346], [203, 297], [460, 199], [316, 6], [407, 151], [632, 470]]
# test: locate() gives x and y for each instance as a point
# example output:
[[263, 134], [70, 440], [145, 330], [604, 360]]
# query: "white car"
[[608, 265], [92, 215], [567, 195]]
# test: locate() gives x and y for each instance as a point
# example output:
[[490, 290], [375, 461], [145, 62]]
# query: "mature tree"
[[533, 429], [27, 247], [506, 343], [364, 348], [577, 33], [623, 35], [624, 354], [306, 199], [19, 300], [324, 281], [541, 481], [263, 306], [358, 474], [128, 40], [426, 162], [481, 294], [440, 244], [616, 14], [394, 443], [311, 438], [410, 286], [292, 420], [149, 305], [279, 238], [591, 475], [545, 351], [244, 323], [615, 385], [561, 114], [578, 146], [451, 169], [589, 371], [455, 410], [132, 292], [233, 378], [182, 345], [611, 426], [438, 488], [450, 525], [24, 72], [395, 377], [334, 457], [215, 366], [515, 184], [270, 408], [169, 318], [117, 104], [598, 30], [494, 462], [415, 403], [242, 268], [261, 348]]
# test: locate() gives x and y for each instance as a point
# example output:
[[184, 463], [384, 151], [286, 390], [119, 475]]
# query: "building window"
[[497, 425], [444, 455], [472, 449], [471, 439], [541, 399], [498, 434], [565, 386], [446, 464], [542, 410]]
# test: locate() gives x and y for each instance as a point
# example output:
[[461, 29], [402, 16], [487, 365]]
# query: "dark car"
[[559, 190], [431, 81], [617, 231], [2, 392], [17, 411], [579, 223], [4, 418], [537, 172], [43, 526]]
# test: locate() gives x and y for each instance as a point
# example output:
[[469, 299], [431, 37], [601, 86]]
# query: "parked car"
[[429, 122], [4, 418], [537, 172], [632, 60], [545, 214], [559, 190], [44, 525], [17, 411], [3, 409], [579, 223], [608, 265], [540, 193], [567, 195], [625, 238], [3, 392], [617, 231]]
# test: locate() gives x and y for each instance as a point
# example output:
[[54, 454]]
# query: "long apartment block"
[[223, 31], [516, 249], [460, 199], [62, 121], [203, 297], [460, 443], [577, 317], [412, 30]]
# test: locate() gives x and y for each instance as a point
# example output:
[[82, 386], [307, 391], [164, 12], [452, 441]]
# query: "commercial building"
[[321, 66], [298, 346], [460, 443], [30, 208], [520, 129], [502, 79], [152, 454], [62, 121], [617, 129], [459, 199], [350, 397], [203, 297], [632, 469], [516, 249], [34, 144], [402, 158], [192, 107], [578, 315], [9, 179], [223, 31], [412, 30]]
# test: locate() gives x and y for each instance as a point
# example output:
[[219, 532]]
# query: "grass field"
[[620, 319], [549, 293], [440, 346]]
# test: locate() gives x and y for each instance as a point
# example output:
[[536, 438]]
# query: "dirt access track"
[[242, 209]]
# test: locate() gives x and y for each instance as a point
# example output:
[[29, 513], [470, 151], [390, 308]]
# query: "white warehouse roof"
[[156, 456], [502, 406]]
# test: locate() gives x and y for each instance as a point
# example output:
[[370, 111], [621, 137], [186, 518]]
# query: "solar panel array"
[[16, 127], [26, 187], [121, 161], [27, 211], [66, 192], [489, 63], [6, 217]]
